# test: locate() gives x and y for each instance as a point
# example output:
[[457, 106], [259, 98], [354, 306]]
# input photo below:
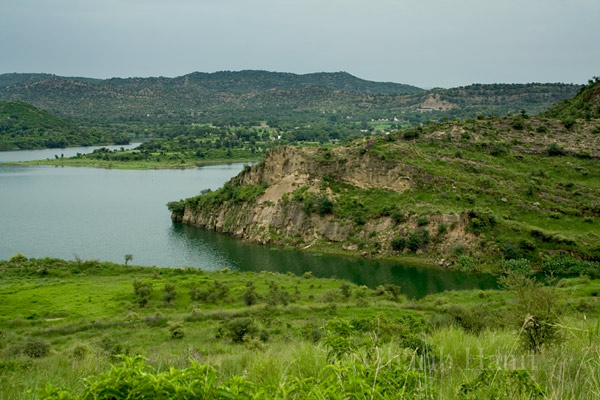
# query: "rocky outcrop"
[[277, 217]]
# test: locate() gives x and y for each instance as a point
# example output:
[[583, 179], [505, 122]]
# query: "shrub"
[[390, 290], [510, 250], [518, 266], [398, 217], [277, 296], [414, 241], [495, 382], [346, 290], [213, 293], [422, 221], [535, 312], [239, 329], [466, 263], [324, 205], [442, 229], [176, 207], [555, 150], [112, 347], [473, 320], [542, 129], [249, 296], [176, 330], [410, 134], [143, 292], [568, 122], [17, 258], [170, 293], [567, 265], [398, 243], [80, 351], [518, 124], [35, 347]]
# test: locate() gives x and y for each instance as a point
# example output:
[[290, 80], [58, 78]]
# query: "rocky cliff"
[[297, 181], [455, 193]]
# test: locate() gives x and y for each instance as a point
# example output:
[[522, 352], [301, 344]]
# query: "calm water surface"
[[42, 154], [105, 214]]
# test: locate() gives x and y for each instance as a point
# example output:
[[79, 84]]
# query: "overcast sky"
[[421, 42]]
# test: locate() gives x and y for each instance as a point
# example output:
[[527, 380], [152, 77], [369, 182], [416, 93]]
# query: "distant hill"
[[262, 95], [586, 104], [23, 126]]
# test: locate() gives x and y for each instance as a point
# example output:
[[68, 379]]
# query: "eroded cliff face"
[[276, 216]]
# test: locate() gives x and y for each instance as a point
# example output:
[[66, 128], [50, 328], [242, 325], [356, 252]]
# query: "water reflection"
[[415, 282]]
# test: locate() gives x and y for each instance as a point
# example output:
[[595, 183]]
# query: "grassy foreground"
[[246, 335]]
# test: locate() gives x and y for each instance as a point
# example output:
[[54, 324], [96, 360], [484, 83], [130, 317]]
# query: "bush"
[[398, 217], [398, 243], [112, 347], [466, 263], [324, 205], [218, 291], [277, 296], [495, 382], [555, 150], [410, 134], [80, 351], [143, 292], [346, 290], [568, 123], [35, 347], [535, 312], [518, 124], [414, 241], [170, 293], [239, 329], [518, 266], [176, 207], [17, 258], [390, 290], [134, 379], [473, 320], [568, 265], [442, 229], [176, 330], [249, 296], [422, 221]]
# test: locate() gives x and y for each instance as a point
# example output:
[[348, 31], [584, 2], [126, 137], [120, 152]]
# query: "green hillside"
[[460, 194], [586, 104], [232, 335], [225, 97], [23, 126]]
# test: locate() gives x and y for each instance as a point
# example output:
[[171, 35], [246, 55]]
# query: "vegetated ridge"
[[461, 194], [184, 333], [23, 126], [260, 95]]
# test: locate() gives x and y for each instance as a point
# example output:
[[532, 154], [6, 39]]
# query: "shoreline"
[[128, 165]]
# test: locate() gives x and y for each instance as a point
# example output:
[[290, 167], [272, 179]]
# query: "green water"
[[105, 214]]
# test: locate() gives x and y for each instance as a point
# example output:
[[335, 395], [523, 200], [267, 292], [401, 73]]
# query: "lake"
[[69, 212]]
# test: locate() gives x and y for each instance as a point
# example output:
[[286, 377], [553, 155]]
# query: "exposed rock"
[[274, 218]]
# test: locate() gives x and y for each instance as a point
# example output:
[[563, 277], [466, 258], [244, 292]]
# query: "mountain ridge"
[[251, 95]]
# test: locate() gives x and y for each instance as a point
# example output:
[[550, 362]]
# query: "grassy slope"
[[88, 313], [586, 104], [23, 126], [522, 201]]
